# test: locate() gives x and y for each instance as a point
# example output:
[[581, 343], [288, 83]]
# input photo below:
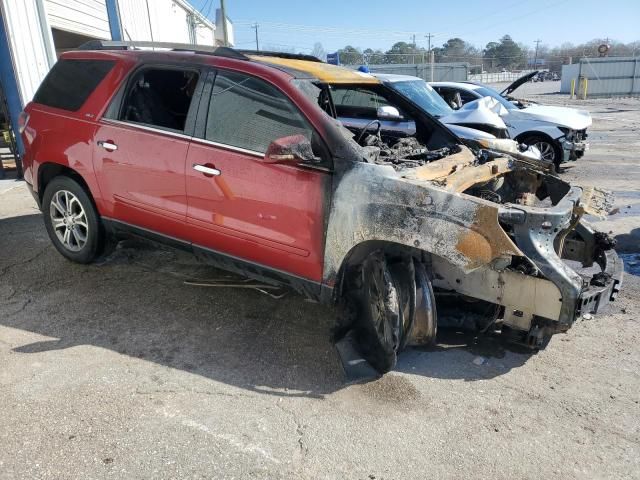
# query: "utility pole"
[[255, 27], [431, 56], [535, 60], [225, 34], [429, 36]]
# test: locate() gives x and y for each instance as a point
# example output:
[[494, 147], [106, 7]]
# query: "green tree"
[[374, 57], [350, 55], [403, 52], [504, 54], [456, 50]]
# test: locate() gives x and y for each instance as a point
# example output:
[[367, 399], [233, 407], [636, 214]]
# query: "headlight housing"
[[568, 133]]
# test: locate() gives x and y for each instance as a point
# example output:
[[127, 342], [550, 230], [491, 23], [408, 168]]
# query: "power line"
[[509, 20], [340, 31], [204, 7], [210, 9], [327, 29]]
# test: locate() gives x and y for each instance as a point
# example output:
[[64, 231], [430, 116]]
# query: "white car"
[[558, 132], [478, 125]]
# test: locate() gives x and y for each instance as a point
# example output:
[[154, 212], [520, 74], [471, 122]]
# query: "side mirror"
[[290, 150], [389, 113]]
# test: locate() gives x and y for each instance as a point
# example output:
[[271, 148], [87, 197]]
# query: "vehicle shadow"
[[628, 242], [464, 355], [137, 304]]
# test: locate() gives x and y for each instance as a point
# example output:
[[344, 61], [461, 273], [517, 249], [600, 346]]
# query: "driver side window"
[[248, 113], [357, 102]]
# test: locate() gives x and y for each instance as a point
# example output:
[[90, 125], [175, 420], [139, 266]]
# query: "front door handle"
[[108, 145], [206, 170]]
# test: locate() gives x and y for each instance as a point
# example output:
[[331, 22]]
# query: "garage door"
[[85, 17]]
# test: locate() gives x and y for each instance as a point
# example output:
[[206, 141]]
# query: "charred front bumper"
[[563, 249]]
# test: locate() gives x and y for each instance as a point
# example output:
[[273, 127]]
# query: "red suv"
[[240, 158]]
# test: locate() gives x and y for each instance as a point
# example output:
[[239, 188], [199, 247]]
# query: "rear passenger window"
[[248, 113], [159, 97], [70, 82]]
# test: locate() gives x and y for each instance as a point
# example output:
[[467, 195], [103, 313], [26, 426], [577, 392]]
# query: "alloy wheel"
[[547, 152], [69, 220]]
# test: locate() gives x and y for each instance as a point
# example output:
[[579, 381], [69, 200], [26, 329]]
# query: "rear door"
[[141, 147], [240, 205]]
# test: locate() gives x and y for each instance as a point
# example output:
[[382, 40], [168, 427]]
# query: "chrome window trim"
[[147, 128], [229, 147], [185, 137]]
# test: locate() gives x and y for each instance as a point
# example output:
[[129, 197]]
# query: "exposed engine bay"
[[400, 152]]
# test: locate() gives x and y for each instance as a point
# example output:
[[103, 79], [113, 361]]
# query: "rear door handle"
[[206, 170], [107, 145]]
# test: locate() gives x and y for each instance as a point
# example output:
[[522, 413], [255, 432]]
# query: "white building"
[[34, 32]]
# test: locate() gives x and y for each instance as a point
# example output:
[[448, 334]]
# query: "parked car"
[[477, 125], [558, 132], [238, 158]]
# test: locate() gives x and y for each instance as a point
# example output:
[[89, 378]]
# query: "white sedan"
[[558, 132]]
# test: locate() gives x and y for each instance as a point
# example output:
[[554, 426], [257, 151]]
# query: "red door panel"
[[142, 178], [268, 214]]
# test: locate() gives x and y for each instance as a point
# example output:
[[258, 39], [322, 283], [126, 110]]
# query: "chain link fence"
[[437, 72]]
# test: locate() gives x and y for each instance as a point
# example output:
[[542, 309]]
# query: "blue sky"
[[380, 23]]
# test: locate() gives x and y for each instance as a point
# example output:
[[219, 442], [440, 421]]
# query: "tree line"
[[502, 54]]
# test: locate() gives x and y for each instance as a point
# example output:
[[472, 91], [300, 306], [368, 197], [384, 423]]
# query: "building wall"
[[205, 35], [164, 21], [28, 44], [605, 76], [86, 17], [28, 25]]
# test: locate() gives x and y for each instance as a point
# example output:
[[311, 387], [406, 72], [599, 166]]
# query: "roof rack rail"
[[176, 47], [291, 56]]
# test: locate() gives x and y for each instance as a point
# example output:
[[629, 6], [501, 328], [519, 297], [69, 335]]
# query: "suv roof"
[[324, 72], [296, 65]]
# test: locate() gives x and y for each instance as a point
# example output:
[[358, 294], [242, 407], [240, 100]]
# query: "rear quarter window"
[[70, 82]]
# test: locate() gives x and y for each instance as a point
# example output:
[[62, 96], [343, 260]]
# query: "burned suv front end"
[[504, 240], [566, 251], [500, 230], [563, 268]]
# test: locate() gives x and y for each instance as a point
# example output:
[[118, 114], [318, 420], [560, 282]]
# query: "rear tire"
[[72, 221], [378, 321]]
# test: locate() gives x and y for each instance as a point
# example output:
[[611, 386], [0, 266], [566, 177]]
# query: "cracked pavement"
[[120, 370]]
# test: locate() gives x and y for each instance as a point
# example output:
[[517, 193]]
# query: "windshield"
[[489, 92], [423, 95]]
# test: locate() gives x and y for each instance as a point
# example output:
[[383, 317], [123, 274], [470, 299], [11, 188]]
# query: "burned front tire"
[[378, 315]]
